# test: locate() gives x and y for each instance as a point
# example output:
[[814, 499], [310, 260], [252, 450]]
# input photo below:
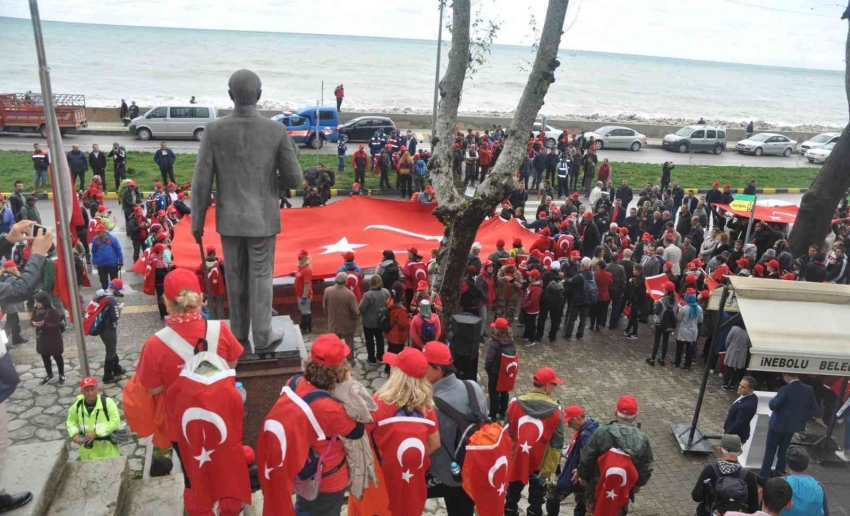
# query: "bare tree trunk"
[[462, 217], [831, 184]]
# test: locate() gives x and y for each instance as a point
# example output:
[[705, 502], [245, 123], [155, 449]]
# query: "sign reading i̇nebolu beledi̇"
[[796, 364]]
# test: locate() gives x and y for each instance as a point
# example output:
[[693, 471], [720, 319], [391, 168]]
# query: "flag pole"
[[751, 221], [60, 175]]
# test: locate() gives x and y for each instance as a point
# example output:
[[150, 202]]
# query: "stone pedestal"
[[264, 374]]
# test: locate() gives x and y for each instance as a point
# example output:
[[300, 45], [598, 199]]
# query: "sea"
[[162, 66]]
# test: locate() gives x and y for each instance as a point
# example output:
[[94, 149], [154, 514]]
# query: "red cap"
[[8, 264], [727, 186], [500, 323], [160, 213], [99, 228], [171, 185], [690, 291], [429, 189], [100, 197], [789, 276], [210, 249], [543, 376], [535, 252], [759, 268], [574, 195], [646, 237], [161, 236], [669, 286], [328, 350], [545, 232], [575, 254], [302, 253], [437, 353], [624, 231], [117, 284], [355, 185], [691, 278], [715, 184], [534, 273], [413, 250], [572, 411], [588, 215], [422, 285], [410, 361], [158, 185], [773, 264], [131, 183], [181, 196], [565, 225], [556, 211], [158, 248], [102, 208], [627, 407], [88, 381], [361, 146], [500, 243], [668, 265], [743, 262], [510, 262], [704, 294], [178, 281], [517, 242], [348, 256]]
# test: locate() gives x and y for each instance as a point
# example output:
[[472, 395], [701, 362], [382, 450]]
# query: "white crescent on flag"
[[276, 428], [411, 442], [530, 420], [508, 368], [617, 471], [199, 414], [501, 461]]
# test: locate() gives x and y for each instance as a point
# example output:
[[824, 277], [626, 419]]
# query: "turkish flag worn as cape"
[[209, 411], [531, 438], [617, 477], [364, 225], [777, 214], [485, 470]]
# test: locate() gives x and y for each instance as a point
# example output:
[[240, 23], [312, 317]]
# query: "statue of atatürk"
[[242, 152]]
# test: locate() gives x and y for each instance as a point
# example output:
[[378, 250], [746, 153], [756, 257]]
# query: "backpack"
[[429, 330], [668, 319], [390, 274], [730, 491], [590, 292], [467, 424], [384, 322]]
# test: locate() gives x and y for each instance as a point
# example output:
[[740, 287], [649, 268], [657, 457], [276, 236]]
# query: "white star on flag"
[[204, 457], [525, 447], [610, 494], [406, 476], [214, 281], [501, 489], [341, 247]]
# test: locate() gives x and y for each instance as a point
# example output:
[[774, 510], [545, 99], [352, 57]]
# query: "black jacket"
[[814, 272], [739, 416], [77, 161], [17, 201], [97, 163], [704, 489], [589, 235]]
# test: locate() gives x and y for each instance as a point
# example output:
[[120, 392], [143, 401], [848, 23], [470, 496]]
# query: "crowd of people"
[[594, 259]]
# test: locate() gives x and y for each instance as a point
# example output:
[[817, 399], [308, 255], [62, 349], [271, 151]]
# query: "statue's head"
[[244, 88]]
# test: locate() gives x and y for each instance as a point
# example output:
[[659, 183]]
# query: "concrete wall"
[[416, 121]]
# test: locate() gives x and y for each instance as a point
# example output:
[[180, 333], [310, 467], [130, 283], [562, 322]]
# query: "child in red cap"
[[502, 366]]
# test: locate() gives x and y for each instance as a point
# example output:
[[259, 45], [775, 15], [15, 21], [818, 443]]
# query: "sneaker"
[[372, 360], [625, 334], [843, 455], [47, 380], [632, 337], [10, 502], [650, 362], [61, 380], [530, 343]]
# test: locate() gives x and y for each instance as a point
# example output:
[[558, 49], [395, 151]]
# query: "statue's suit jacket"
[[242, 153]]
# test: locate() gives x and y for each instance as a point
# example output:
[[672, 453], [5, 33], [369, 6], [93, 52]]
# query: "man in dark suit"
[[792, 407], [618, 212], [743, 410]]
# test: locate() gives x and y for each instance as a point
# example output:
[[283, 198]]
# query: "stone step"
[[158, 496], [37, 468], [93, 488]]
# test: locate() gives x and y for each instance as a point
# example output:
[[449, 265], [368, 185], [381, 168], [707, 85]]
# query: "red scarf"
[[176, 320]]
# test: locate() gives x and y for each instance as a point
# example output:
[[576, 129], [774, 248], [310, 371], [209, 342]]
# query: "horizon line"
[[566, 50]]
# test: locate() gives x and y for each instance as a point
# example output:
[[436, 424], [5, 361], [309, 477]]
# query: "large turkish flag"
[[364, 225]]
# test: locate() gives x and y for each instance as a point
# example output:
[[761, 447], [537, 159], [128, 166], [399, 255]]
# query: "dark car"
[[362, 128]]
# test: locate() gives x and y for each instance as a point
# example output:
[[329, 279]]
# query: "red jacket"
[[399, 325], [603, 283], [542, 244], [416, 329], [531, 300], [484, 156]]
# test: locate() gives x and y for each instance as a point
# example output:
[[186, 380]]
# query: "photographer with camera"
[[92, 419], [15, 290]]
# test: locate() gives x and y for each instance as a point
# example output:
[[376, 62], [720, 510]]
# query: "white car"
[[820, 154], [617, 137], [767, 143], [552, 134], [818, 141]]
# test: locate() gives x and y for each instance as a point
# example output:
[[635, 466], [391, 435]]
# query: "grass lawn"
[[16, 165]]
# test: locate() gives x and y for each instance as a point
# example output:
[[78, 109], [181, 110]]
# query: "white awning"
[[796, 326]]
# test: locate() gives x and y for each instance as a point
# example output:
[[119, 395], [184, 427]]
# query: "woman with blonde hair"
[[405, 431]]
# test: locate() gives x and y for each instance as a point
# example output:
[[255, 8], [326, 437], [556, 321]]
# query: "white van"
[[173, 122]]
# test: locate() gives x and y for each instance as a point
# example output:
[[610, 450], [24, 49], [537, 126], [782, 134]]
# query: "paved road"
[[657, 156]]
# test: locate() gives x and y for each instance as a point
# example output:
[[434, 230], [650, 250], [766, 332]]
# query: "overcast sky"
[[798, 33]]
